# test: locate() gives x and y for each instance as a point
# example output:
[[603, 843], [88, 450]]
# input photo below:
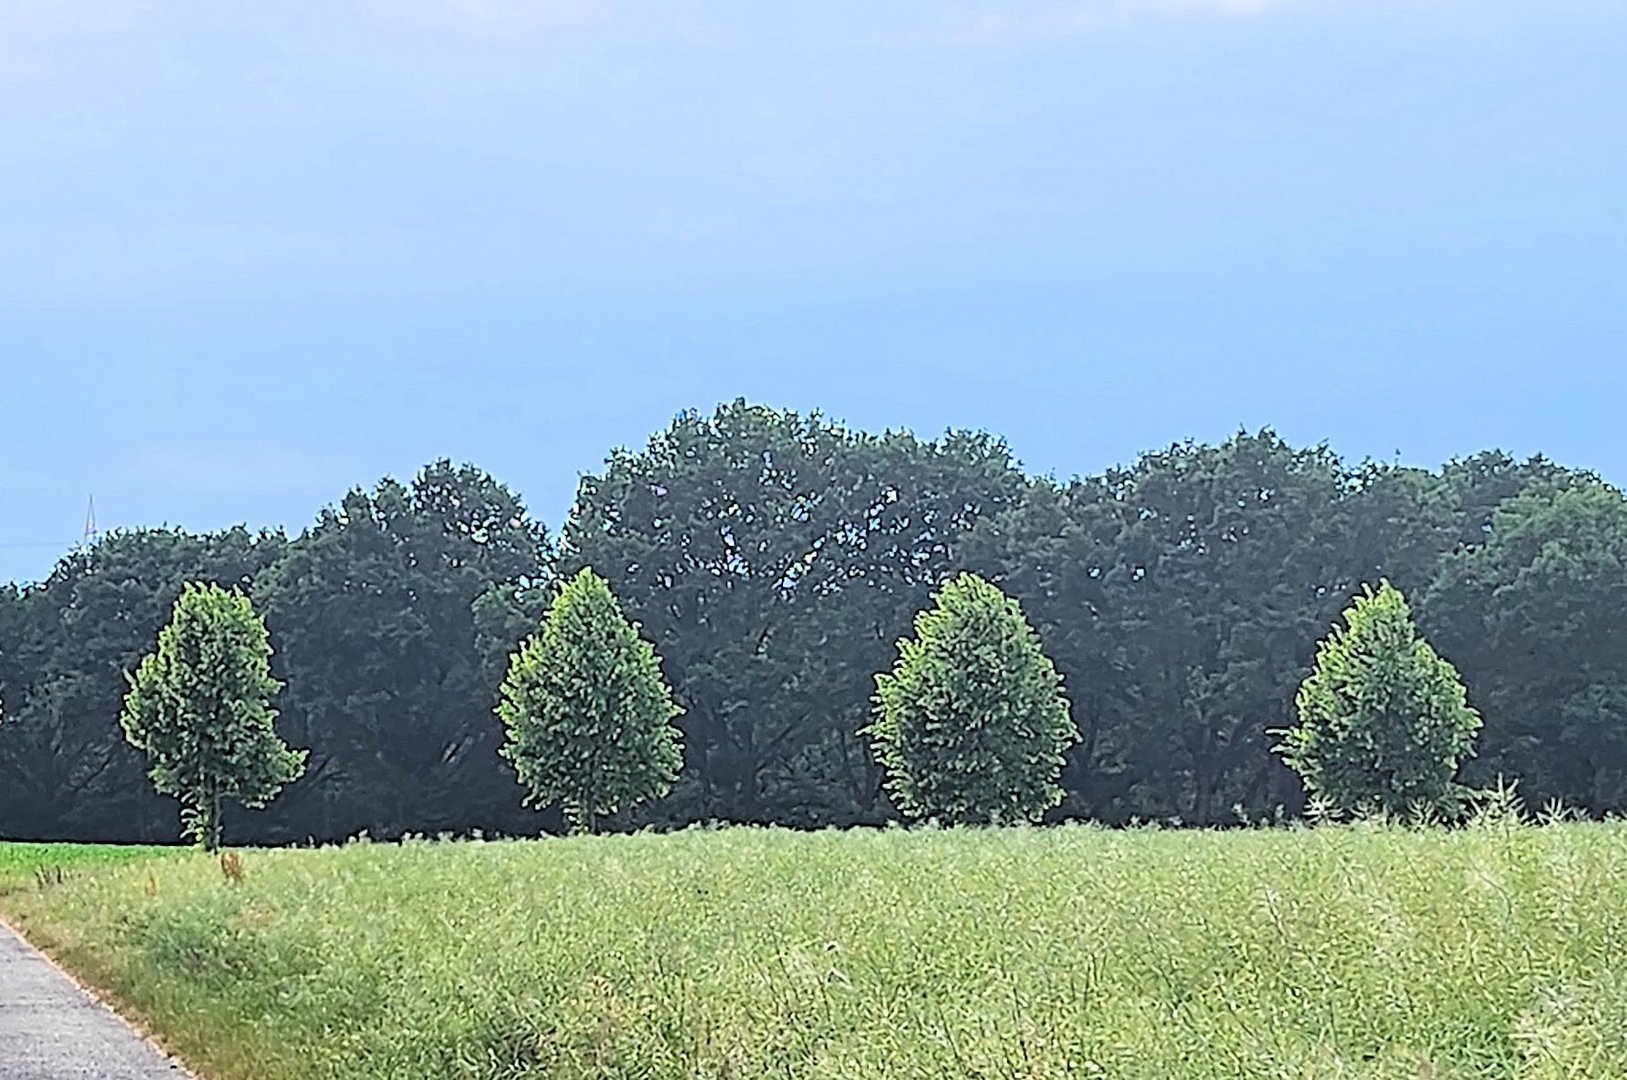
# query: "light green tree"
[[971, 724], [199, 706], [1383, 720], [587, 713]]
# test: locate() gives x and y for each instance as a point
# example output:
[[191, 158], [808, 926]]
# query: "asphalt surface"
[[50, 1029]]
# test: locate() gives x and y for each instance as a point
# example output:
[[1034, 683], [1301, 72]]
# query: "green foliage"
[[1482, 484], [1383, 720], [971, 724], [773, 558], [587, 714], [199, 707], [1181, 596], [374, 613], [1178, 598], [66, 772], [1535, 616], [1364, 953]]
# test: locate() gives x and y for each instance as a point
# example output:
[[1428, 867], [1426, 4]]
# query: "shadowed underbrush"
[[1356, 951]]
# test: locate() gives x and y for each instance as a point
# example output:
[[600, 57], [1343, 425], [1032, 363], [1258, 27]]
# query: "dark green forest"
[[774, 560]]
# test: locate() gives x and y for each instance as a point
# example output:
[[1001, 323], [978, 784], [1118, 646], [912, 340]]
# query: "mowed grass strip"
[[1366, 951]]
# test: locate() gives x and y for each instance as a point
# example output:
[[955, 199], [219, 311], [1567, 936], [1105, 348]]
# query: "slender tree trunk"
[[214, 821], [578, 817], [590, 812], [1202, 802]]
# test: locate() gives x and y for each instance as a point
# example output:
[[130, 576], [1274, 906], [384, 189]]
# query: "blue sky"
[[257, 253]]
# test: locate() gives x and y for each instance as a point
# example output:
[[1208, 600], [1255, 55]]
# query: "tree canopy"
[[971, 723], [199, 707], [1536, 618], [586, 711], [1384, 721], [374, 613], [774, 558]]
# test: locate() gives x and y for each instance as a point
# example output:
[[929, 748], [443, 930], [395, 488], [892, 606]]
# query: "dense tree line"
[[775, 560]]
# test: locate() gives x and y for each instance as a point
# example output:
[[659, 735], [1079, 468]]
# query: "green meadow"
[[1499, 950], [36, 865]]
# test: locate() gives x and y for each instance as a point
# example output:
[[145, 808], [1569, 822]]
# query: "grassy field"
[[25, 866], [1499, 951]]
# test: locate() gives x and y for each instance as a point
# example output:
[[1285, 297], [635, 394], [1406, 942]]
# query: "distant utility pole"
[[92, 534]]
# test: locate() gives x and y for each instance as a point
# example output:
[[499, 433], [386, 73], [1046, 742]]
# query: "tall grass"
[[1365, 951]]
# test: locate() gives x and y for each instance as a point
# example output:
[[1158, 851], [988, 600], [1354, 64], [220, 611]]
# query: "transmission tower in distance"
[[92, 533]]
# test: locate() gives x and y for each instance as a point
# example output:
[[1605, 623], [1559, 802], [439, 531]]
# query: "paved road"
[[52, 1030]]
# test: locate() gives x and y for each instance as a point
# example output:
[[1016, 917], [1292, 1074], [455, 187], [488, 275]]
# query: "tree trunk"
[[578, 817], [214, 822], [590, 811], [1203, 798]]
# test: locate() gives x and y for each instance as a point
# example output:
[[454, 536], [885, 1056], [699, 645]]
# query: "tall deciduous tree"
[[65, 771], [971, 723], [199, 707], [1536, 618], [373, 612], [1179, 597], [773, 558], [1478, 485], [587, 714], [1225, 566], [1054, 552], [1383, 720]]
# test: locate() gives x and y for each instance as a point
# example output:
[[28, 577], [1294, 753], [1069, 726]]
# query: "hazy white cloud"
[[1083, 16]]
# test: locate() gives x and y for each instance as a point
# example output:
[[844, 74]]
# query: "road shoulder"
[[51, 1028]]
